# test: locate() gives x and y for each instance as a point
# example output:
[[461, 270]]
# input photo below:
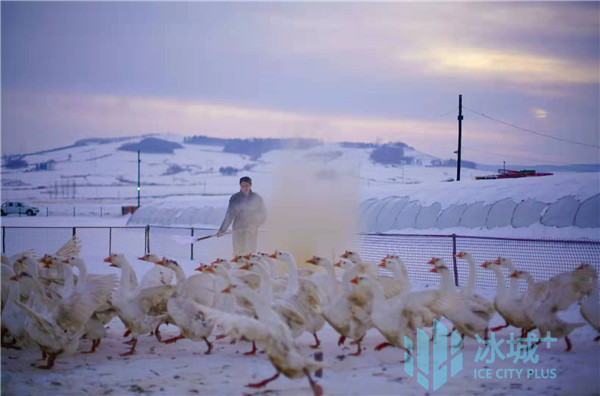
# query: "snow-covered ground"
[[183, 368]]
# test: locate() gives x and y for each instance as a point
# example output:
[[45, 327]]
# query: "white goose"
[[328, 283], [278, 283], [509, 304], [391, 286], [364, 267], [271, 333], [140, 309], [463, 316], [104, 312], [305, 295], [199, 288], [540, 307], [13, 317], [158, 275], [58, 331], [283, 304], [395, 264], [590, 309], [341, 312], [560, 291], [7, 273], [387, 315], [477, 304]]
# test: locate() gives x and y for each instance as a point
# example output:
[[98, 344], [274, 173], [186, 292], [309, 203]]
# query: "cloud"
[[521, 43], [506, 65], [80, 115]]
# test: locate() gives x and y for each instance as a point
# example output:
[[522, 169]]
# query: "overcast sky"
[[335, 71]]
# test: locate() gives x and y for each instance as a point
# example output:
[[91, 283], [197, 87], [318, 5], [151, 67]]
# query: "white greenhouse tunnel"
[[398, 213]]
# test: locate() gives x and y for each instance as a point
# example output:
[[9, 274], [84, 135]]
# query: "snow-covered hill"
[[331, 182]]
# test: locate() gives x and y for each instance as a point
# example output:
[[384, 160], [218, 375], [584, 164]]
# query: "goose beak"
[[65, 261], [274, 255], [161, 262], [434, 269], [497, 261], [108, 259], [245, 267], [312, 261], [354, 280], [247, 257], [199, 268], [382, 264], [513, 275], [142, 258], [432, 261], [226, 290], [14, 277], [338, 264]]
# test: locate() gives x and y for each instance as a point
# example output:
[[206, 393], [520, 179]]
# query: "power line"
[[530, 130]]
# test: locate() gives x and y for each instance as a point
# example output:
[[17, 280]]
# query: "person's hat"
[[246, 179]]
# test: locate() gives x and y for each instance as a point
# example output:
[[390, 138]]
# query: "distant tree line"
[[253, 147], [452, 163], [16, 161], [391, 153], [152, 145]]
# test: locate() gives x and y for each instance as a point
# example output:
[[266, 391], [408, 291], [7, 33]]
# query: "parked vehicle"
[[18, 208]]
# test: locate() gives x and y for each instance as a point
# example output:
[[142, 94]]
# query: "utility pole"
[[139, 178], [460, 118]]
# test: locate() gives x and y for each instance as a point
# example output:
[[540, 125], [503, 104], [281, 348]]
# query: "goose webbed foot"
[[316, 388], [317, 341], [209, 345], [263, 382], [173, 339], [132, 350], [50, 363], [382, 345], [253, 351], [499, 327], [95, 344]]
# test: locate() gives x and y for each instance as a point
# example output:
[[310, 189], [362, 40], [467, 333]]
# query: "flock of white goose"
[[45, 305]]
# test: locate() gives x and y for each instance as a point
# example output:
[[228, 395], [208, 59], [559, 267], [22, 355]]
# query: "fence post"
[[3, 239], [110, 241], [192, 246], [74, 231], [147, 247], [454, 259]]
